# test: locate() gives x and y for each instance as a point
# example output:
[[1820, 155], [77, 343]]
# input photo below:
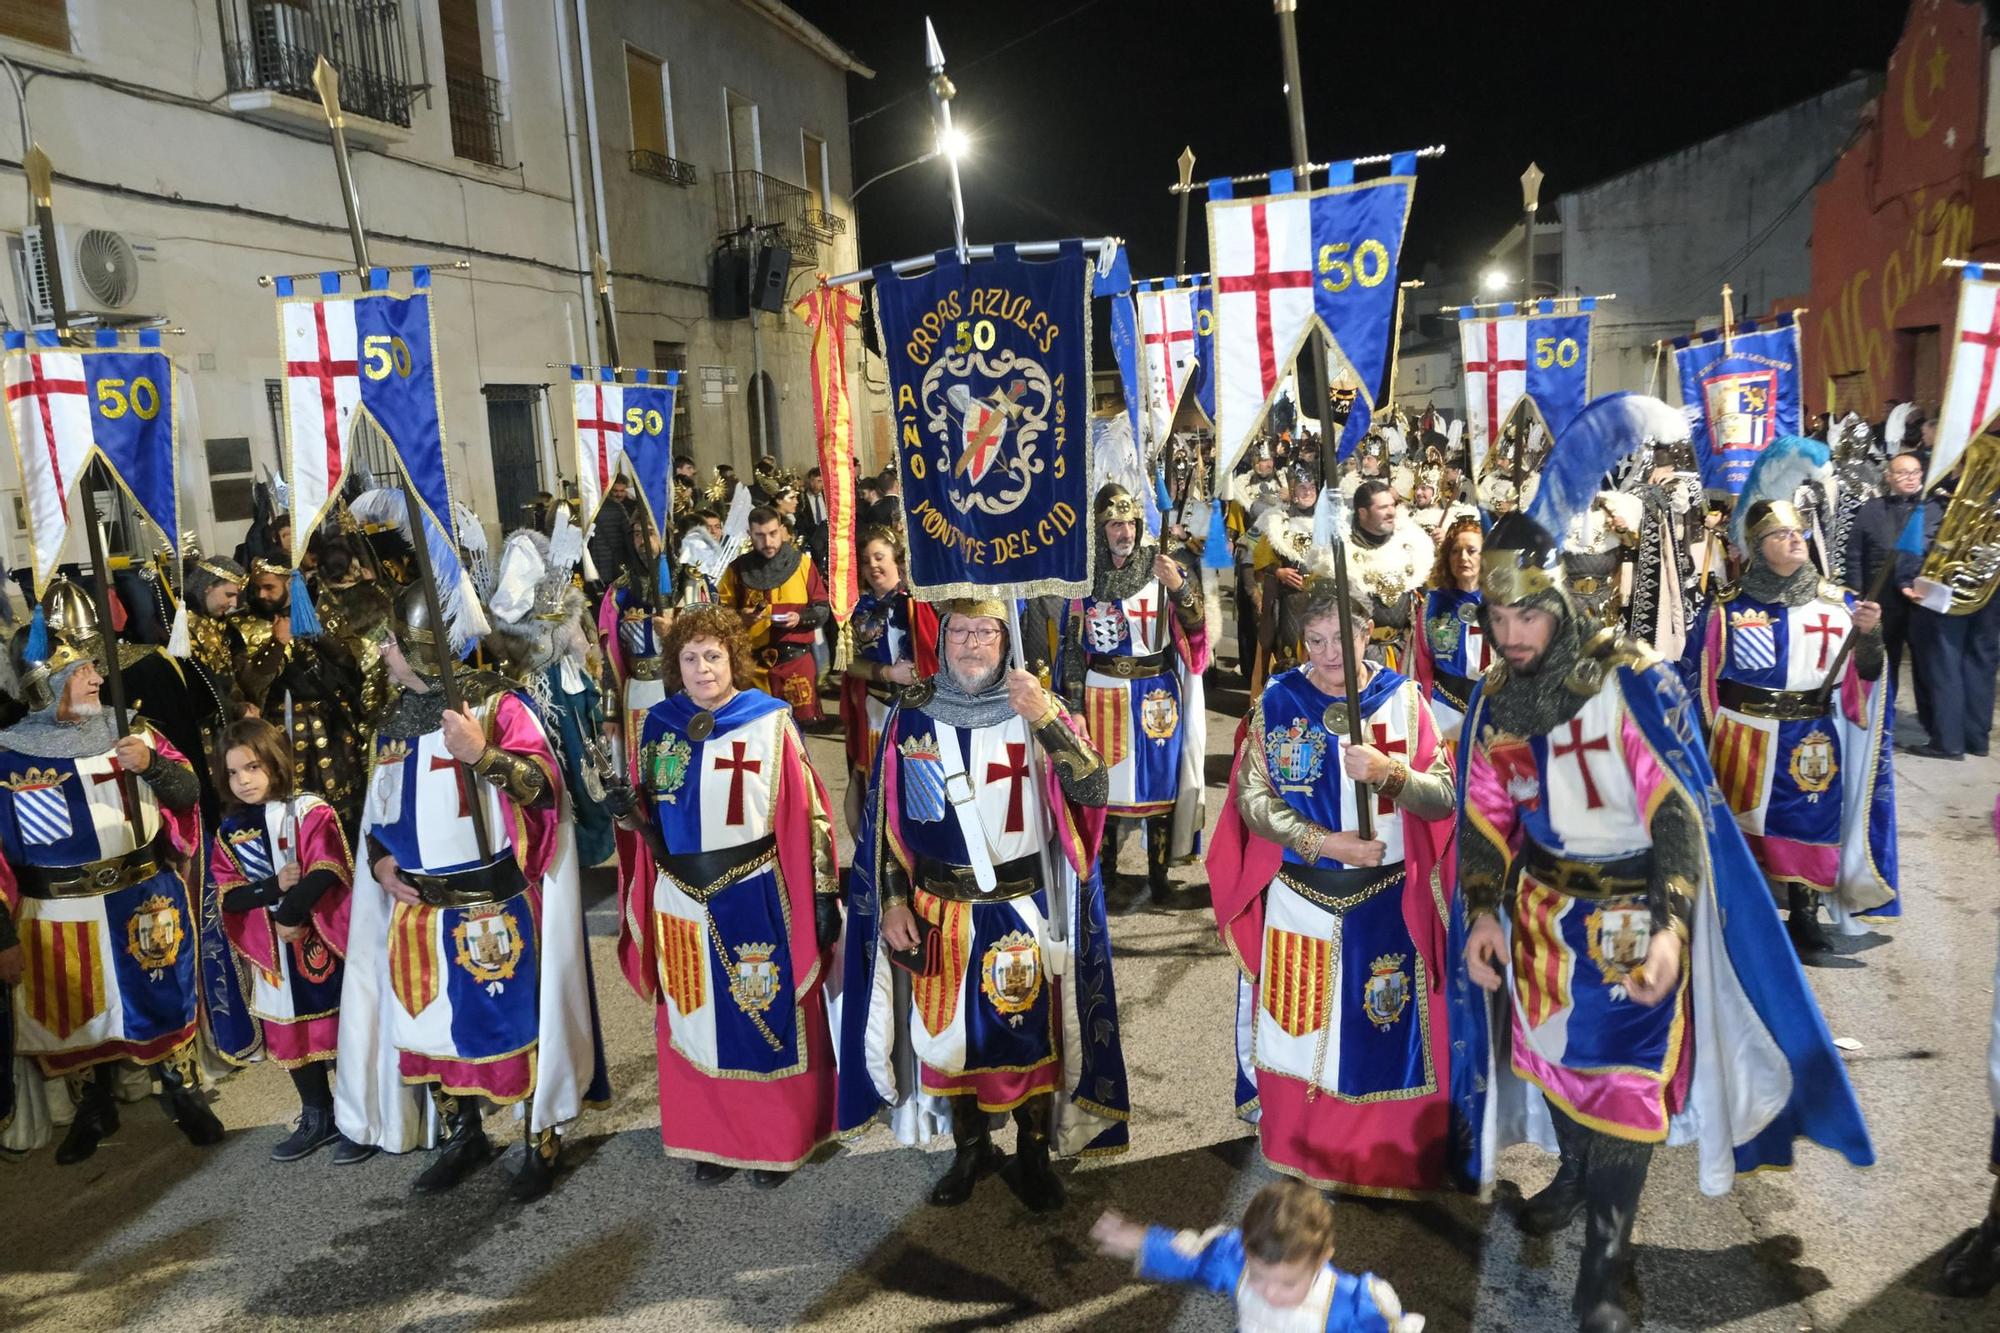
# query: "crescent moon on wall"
[[1915, 123]]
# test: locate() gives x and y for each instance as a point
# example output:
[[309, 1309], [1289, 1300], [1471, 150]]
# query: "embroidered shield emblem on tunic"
[[1513, 759], [1387, 993], [665, 764], [1296, 981], [756, 984], [1753, 640], [1813, 764], [40, 807], [1444, 634], [923, 796], [63, 982], [1160, 714], [1296, 752], [1011, 974], [312, 957], [1619, 938], [1104, 626], [488, 945], [153, 933]]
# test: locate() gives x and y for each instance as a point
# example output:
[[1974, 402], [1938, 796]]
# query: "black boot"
[[180, 1094], [537, 1175], [1557, 1205], [1972, 1264], [975, 1157], [712, 1173], [1802, 923], [315, 1128], [96, 1117], [350, 1153], [1616, 1177], [1033, 1179], [466, 1147], [1159, 834]]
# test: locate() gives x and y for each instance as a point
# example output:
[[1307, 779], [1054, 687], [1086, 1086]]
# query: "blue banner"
[[1558, 368], [133, 421], [1745, 395], [1117, 285], [989, 371], [399, 389], [1357, 240], [1202, 382], [649, 442]]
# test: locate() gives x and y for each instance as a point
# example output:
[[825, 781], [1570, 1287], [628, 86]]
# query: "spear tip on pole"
[[1186, 163], [326, 82], [933, 53], [35, 164]]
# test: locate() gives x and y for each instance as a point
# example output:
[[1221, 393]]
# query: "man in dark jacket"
[[611, 536], [1872, 540]]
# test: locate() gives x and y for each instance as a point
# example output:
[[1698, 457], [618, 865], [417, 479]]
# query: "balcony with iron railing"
[[659, 166], [271, 46], [474, 104], [750, 199], [828, 225]]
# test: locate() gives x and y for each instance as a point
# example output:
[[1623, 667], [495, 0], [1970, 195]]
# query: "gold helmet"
[[1115, 504], [1768, 516], [74, 637]]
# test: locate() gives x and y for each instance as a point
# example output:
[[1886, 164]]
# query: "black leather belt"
[[778, 654], [1148, 664], [1341, 889], [478, 886], [1771, 705], [1622, 877], [92, 879], [1011, 879], [878, 690], [702, 871], [1458, 689]]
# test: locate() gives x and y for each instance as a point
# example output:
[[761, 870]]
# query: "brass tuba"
[[1965, 556]]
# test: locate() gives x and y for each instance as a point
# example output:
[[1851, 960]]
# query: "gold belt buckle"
[[106, 875], [1128, 667]]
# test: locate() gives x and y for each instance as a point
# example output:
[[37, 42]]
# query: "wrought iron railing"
[[661, 167], [474, 104], [750, 199], [828, 225], [274, 44]]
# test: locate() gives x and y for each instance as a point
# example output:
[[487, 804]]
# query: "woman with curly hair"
[[1451, 650], [895, 643], [728, 910]]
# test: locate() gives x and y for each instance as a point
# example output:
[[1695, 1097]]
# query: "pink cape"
[[774, 1124], [320, 844], [1376, 1148]]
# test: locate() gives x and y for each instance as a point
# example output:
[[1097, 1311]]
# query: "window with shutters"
[[649, 96], [471, 96], [43, 22]]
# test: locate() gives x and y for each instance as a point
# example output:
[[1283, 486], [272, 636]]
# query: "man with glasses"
[[978, 962]]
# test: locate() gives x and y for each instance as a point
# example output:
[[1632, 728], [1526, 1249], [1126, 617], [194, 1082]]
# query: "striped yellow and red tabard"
[[1295, 980], [64, 977], [1741, 754], [683, 960], [412, 960], [936, 996], [1107, 714], [1543, 964]]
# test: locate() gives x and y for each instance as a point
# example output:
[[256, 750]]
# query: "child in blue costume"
[[1278, 1265]]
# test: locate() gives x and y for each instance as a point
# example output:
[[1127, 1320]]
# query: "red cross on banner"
[[1496, 373], [1169, 339], [1972, 389], [1262, 257], [49, 416], [600, 440]]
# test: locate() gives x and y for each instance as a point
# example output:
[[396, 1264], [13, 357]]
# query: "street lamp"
[[956, 146], [1495, 280]]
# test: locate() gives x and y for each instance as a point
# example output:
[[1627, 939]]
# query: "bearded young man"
[[783, 602], [978, 963]]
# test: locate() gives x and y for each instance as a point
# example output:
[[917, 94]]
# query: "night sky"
[[1077, 124]]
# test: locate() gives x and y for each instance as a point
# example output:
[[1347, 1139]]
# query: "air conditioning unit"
[[103, 271]]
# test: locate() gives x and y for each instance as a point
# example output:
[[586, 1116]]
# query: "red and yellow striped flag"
[[828, 311]]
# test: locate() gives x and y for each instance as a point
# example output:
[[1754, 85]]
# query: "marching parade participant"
[[895, 643], [95, 828], [729, 911], [467, 974], [1251, 495], [1619, 927], [1283, 550], [320, 677], [213, 597], [281, 864], [975, 878], [1337, 918], [1136, 650], [1450, 652], [632, 620], [1800, 753], [1389, 558], [783, 602]]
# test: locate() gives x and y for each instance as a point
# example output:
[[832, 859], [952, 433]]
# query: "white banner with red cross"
[[1971, 386]]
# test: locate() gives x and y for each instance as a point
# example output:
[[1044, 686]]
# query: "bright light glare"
[[956, 143], [1496, 280]]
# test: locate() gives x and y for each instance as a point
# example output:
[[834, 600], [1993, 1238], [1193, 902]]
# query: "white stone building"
[[520, 135]]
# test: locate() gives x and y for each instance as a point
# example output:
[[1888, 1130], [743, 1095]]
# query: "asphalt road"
[[151, 1232]]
